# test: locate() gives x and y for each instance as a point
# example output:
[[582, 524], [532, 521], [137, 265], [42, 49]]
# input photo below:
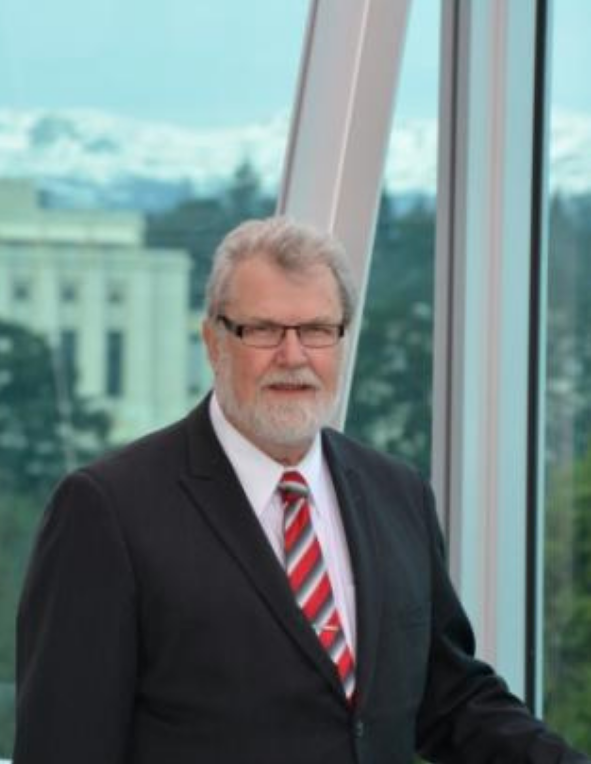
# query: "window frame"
[[333, 170]]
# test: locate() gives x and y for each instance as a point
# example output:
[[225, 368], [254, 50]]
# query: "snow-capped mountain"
[[94, 157], [85, 158]]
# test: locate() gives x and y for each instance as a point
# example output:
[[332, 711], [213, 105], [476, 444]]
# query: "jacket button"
[[359, 728]]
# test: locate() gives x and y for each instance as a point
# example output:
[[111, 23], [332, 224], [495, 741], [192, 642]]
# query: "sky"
[[217, 63], [205, 63], [571, 55]]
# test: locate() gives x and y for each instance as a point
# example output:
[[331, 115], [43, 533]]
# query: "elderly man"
[[249, 586]]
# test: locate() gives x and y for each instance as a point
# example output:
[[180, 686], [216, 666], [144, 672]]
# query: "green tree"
[[568, 327], [44, 430], [244, 198], [390, 405], [567, 595], [567, 553], [198, 224]]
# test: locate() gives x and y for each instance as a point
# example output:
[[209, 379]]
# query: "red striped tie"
[[309, 579]]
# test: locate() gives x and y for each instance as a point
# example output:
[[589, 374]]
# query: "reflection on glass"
[[126, 151], [390, 405], [567, 516]]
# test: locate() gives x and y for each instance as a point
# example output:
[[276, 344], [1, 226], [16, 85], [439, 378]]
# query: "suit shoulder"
[[361, 455], [152, 454], [127, 484], [390, 485]]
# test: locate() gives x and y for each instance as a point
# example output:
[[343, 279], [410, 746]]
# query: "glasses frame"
[[238, 331]]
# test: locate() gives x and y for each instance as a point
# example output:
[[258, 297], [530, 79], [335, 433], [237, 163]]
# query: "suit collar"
[[212, 485], [258, 473], [363, 548], [216, 492]]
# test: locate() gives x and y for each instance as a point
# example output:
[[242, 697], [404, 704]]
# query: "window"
[[126, 151], [566, 323], [114, 364], [69, 292], [390, 403], [115, 294], [21, 291], [67, 361]]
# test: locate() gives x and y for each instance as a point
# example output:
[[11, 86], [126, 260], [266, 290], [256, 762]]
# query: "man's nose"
[[291, 352]]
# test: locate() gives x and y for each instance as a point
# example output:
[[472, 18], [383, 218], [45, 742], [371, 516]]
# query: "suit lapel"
[[216, 492], [363, 547]]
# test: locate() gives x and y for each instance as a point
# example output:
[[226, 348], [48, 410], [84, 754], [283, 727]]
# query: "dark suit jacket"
[[157, 626]]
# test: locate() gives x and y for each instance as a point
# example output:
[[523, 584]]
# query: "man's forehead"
[[262, 289], [267, 273]]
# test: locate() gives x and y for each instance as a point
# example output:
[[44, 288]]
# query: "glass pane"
[[567, 511], [133, 135], [390, 404]]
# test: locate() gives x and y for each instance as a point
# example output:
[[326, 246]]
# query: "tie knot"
[[293, 486]]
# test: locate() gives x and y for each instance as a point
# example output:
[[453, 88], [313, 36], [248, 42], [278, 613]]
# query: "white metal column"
[[341, 124], [482, 315]]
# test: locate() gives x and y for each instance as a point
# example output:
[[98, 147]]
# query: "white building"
[[113, 310]]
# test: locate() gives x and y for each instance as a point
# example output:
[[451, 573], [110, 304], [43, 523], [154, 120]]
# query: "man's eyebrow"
[[267, 320]]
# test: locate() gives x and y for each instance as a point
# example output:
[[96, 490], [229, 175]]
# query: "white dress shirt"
[[259, 476]]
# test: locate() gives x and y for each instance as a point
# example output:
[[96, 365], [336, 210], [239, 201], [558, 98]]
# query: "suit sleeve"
[[468, 713], [76, 634]]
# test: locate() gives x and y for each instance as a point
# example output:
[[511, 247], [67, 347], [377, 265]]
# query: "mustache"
[[295, 377]]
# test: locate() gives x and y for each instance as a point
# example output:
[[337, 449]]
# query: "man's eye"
[[262, 330], [318, 330]]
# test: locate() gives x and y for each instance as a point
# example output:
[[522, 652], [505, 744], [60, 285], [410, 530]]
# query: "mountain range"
[[87, 158]]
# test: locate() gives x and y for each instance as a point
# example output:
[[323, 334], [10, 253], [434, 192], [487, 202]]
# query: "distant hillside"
[[90, 158]]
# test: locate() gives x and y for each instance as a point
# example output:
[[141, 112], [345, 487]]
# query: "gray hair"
[[292, 246]]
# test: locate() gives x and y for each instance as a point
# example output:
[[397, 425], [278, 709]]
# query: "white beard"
[[278, 423]]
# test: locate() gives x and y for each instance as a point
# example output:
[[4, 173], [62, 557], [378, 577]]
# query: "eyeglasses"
[[269, 335]]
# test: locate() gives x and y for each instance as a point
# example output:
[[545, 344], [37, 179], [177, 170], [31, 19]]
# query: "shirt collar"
[[257, 472]]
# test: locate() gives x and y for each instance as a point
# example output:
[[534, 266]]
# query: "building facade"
[[115, 313]]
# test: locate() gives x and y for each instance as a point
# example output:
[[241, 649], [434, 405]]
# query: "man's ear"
[[211, 340]]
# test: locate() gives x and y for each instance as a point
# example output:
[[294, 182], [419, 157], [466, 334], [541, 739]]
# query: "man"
[[248, 586]]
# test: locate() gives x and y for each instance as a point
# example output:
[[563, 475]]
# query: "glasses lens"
[[262, 336], [319, 336], [271, 335]]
